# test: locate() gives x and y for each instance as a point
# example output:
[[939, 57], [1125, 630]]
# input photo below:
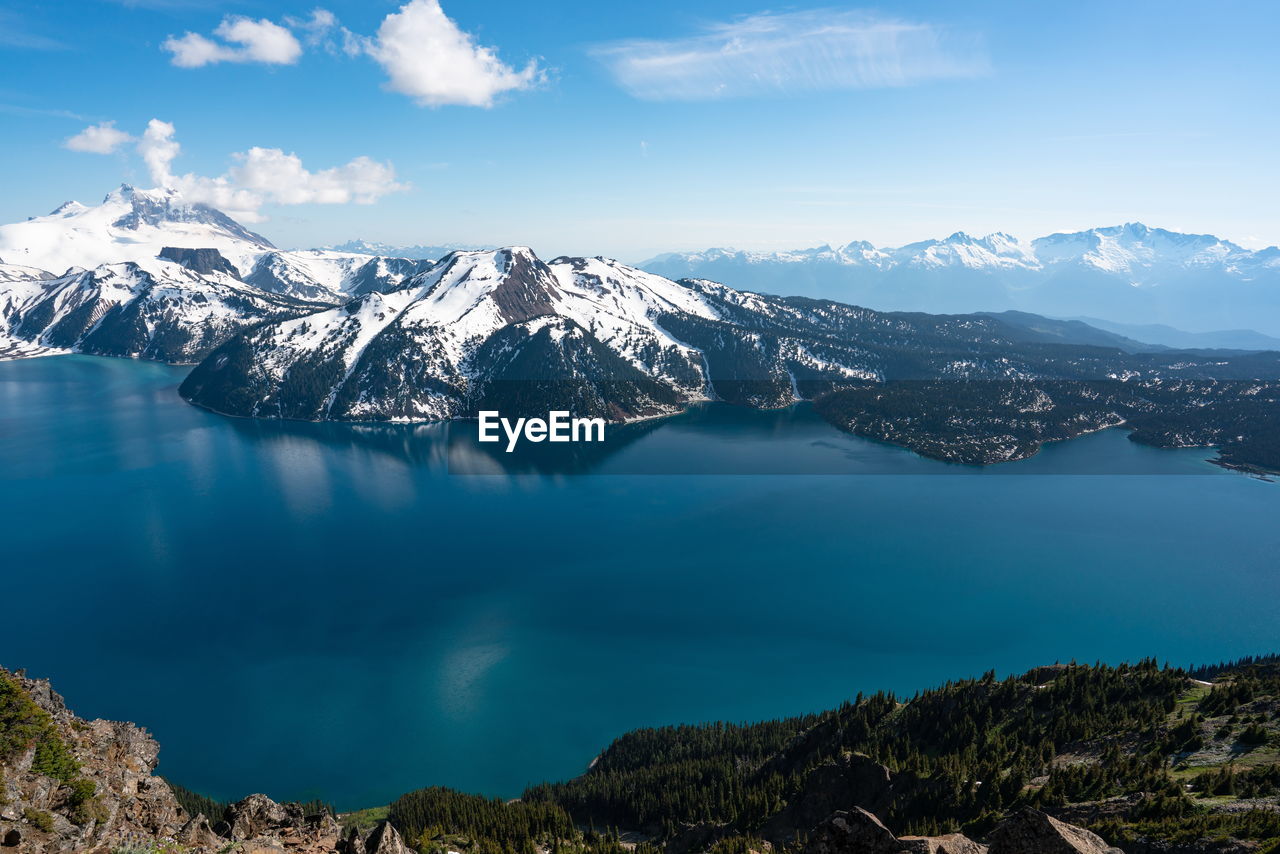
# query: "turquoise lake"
[[350, 612]]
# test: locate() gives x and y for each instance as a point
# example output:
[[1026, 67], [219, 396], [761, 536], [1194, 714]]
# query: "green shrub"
[[23, 723], [53, 759], [84, 804], [21, 720], [39, 819]]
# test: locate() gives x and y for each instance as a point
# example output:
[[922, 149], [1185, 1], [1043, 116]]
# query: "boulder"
[[854, 831], [385, 839], [257, 816], [197, 832], [854, 780], [1029, 831], [951, 843]]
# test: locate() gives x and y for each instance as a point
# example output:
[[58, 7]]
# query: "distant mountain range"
[[345, 336], [418, 251], [1129, 274]]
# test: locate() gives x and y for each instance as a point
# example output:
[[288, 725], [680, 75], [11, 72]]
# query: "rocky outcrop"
[[197, 833], [858, 831], [382, 839], [75, 785], [71, 785], [854, 831], [856, 780], [203, 261], [951, 843], [1029, 831]]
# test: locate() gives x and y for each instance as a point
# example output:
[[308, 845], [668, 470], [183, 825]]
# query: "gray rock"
[[1029, 831], [257, 816], [197, 832], [950, 843], [385, 839], [855, 780]]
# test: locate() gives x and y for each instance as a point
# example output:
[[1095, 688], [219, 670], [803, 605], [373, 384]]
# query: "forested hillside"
[[1132, 751]]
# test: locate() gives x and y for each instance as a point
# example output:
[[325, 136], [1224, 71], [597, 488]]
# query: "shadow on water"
[[710, 438], [451, 447]]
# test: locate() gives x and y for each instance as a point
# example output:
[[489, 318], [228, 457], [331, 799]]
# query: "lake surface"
[[351, 612]]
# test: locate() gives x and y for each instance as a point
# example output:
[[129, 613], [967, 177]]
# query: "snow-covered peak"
[[1113, 249], [130, 225], [70, 208], [1126, 248], [995, 251]]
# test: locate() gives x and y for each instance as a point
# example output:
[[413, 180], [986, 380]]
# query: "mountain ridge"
[[1127, 273], [323, 335]]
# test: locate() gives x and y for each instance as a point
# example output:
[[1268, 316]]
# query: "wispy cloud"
[[20, 110], [14, 33], [814, 50]]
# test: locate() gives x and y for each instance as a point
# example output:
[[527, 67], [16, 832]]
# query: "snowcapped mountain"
[[1129, 273], [329, 276], [504, 330], [160, 311], [129, 225], [147, 274], [140, 225], [473, 327], [1133, 248]]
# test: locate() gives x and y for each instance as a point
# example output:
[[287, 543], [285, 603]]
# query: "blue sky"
[[629, 129]]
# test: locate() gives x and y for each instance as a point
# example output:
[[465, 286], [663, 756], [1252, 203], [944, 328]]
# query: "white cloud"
[[791, 52], [263, 176], [424, 52], [158, 149], [434, 62], [243, 40], [281, 178], [104, 138]]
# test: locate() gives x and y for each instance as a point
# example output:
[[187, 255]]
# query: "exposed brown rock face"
[[116, 759], [130, 806], [1029, 831]]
